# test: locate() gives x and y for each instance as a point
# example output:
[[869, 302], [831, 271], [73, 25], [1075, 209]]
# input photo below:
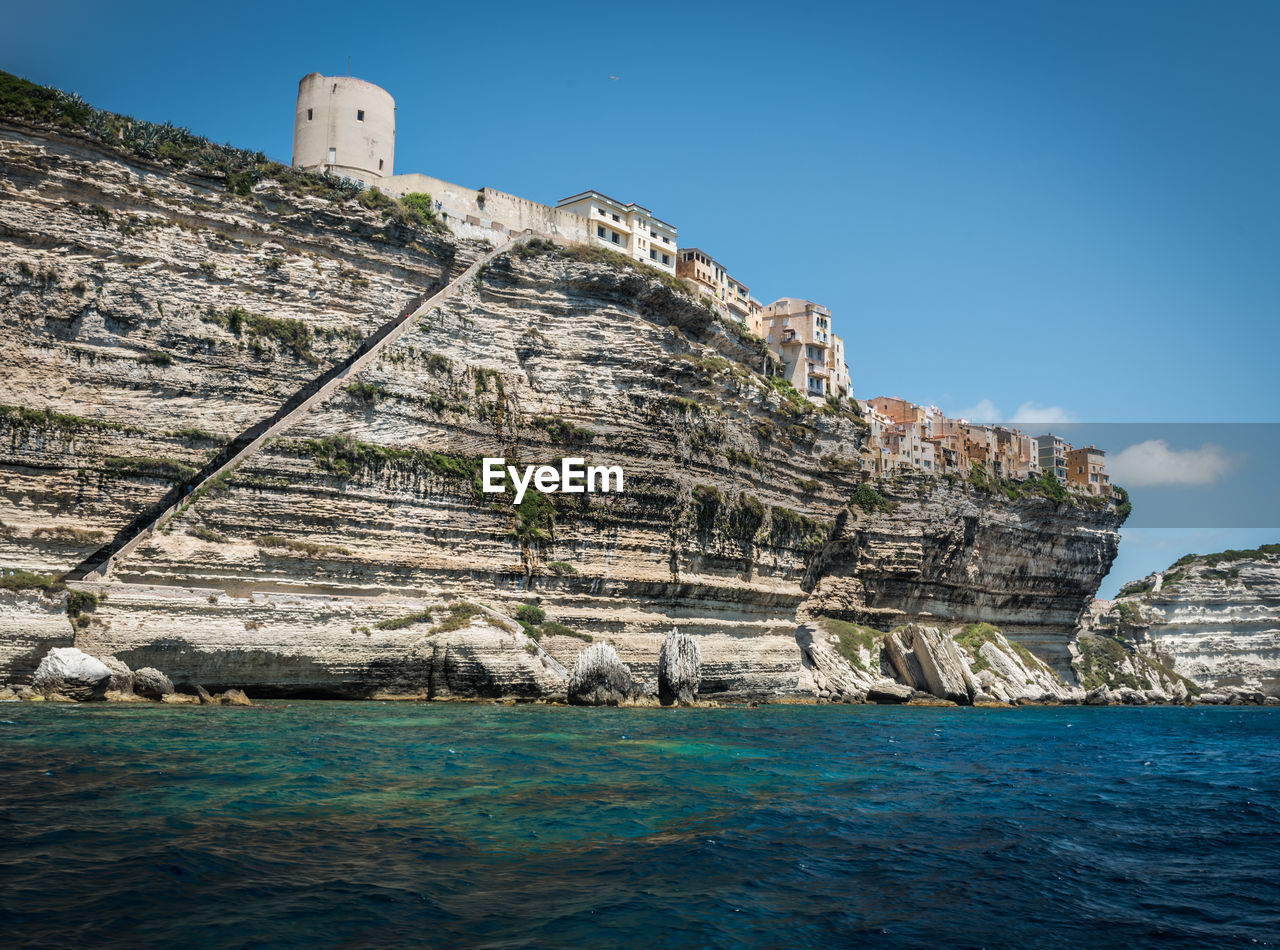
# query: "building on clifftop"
[[629, 229], [344, 126]]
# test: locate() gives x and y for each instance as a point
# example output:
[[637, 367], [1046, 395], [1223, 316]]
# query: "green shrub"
[[706, 501], [408, 620], [561, 568], [457, 617], [366, 392], [560, 431], [535, 518], [868, 499], [553, 629], [156, 358], [745, 518], [531, 614], [80, 602]]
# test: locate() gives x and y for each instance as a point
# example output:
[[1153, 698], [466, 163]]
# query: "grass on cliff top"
[[22, 417], [1231, 554], [309, 548], [854, 638], [594, 254], [241, 170], [14, 579]]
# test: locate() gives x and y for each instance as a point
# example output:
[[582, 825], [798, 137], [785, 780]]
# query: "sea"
[[335, 824]]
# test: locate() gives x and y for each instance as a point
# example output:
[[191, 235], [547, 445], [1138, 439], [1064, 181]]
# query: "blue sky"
[[1052, 210]]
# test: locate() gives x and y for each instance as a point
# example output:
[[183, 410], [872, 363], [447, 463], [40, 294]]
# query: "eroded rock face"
[[67, 672], [599, 678], [545, 352], [1214, 619], [679, 669]]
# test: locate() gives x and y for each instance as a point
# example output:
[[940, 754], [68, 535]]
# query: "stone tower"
[[345, 126]]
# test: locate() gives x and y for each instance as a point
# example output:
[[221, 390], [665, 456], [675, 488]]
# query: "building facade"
[[710, 277], [1087, 470], [799, 333], [629, 229], [344, 126], [1053, 456]]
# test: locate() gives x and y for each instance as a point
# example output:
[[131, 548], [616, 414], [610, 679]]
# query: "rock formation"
[[1214, 619], [150, 683], [67, 672], [679, 669], [153, 315], [599, 678]]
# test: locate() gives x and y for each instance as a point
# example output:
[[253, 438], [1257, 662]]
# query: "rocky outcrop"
[[679, 669], [151, 315], [1214, 619], [67, 673], [150, 683], [599, 678], [928, 660]]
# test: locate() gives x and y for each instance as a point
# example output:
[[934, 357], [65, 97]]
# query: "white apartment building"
[[629, 229]]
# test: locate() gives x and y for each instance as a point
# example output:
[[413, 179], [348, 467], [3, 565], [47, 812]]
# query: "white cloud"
[[1028, 414], [984, 411], [1154, 463]]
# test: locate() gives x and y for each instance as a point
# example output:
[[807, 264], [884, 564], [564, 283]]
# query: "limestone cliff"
[[1213, 618], [152, 315]]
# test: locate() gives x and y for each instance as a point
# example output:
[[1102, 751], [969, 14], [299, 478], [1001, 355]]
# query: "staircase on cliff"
[[99, 564]]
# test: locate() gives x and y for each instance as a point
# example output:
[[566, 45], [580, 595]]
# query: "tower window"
[[308, 115], [333, 156], [379, 164], [359, 115]]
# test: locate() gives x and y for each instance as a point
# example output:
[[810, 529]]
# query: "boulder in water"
[[599, 678], [679, 669], [151, 683], [66, 671]]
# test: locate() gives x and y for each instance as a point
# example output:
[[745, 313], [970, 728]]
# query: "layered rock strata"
[[153, 315]]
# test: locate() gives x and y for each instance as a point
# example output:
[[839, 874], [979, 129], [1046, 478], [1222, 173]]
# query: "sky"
[[1016, 211]]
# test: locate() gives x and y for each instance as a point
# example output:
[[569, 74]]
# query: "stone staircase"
[[98, 565]]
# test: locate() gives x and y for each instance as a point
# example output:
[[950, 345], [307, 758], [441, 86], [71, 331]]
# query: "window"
[[616, 218], [666, 259], [666, 240], [653, 234], [379, 164], [308, 115], [617, 238], [600, 231], [653, 255], [359, 115], [333, 155]]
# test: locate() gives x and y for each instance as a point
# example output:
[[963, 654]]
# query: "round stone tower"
[[346, 126]]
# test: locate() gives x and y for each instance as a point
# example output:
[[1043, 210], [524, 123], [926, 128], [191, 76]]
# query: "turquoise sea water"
[[376, 825]]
